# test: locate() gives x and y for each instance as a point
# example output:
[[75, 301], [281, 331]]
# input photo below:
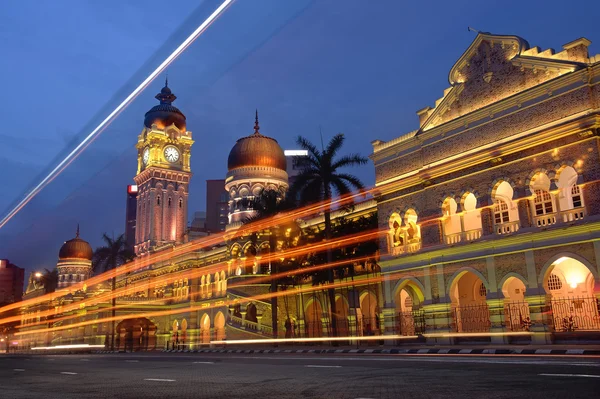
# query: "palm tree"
[[269, 203], [319, 178], [109, 257]]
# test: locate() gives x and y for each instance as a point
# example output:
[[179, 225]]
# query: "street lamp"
[[38, 274]]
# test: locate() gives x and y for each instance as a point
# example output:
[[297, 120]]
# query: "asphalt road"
[[177, 376]]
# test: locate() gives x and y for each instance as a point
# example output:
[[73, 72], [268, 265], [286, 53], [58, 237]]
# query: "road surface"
[[180, 376]]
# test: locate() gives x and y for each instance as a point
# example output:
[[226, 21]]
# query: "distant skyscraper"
[[292, 158], [216, 205], [130, 215], [11, 282]]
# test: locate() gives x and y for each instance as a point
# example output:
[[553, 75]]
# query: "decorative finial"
[[256, 127], [77, 234], [166, 96]]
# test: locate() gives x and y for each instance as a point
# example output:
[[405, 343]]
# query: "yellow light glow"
[[38, 275]]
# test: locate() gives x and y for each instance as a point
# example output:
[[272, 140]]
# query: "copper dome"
[[76, 248], [256, 150], [165, 114]]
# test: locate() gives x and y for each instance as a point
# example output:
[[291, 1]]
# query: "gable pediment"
[[495, 67]]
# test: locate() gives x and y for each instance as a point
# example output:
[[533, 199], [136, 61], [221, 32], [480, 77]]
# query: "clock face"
[[146, 155], [171, 154]]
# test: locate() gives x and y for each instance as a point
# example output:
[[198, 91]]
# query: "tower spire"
[[77, 234], [256, 127], [166, 80]]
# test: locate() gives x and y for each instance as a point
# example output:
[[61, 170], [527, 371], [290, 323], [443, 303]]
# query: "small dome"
[[165, 114], [256, 150], [76, 248]]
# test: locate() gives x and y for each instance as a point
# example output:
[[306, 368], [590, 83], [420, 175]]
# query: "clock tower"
[[163, 176]]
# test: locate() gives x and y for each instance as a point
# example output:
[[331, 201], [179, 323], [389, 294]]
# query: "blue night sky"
[[361, 67]]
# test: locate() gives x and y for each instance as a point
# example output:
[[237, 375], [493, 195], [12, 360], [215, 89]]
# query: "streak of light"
[[74, 346], [314, 339], [204, 306], [482, 334], [105, 123], [103, 298], [310, 248], [182, 249]]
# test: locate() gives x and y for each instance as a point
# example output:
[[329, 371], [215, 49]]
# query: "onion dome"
[[256, 150], [76, 248], [165, 114]]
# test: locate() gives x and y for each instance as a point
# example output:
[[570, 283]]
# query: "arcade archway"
[[136, 335]]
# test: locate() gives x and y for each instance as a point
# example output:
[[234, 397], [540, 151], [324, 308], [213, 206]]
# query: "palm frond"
[[310, 147], [349, 160], [353, 180], [334, 146]]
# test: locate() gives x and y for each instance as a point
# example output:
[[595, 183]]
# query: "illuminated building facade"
[[491, 205]]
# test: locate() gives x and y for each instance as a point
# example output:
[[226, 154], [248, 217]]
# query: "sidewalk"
[[421, 349]]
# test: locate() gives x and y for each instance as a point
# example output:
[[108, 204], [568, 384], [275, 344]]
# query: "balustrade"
[[507, 228], [572, 215]]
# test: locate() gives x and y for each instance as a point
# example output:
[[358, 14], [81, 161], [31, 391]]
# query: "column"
[[495, 302]]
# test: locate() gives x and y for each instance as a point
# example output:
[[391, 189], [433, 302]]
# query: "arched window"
[[169, 202], [451, 221], [404, 236], [217, 284], [180, 202], [543, 201], [554, 283], [506, 216], [482, 290], [570, 200], [158, 200], [471, 217]]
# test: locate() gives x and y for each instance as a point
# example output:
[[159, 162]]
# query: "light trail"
[[309, 248], [183, 249], [313, 339], [105, 123], [75, 346], [204, 306]]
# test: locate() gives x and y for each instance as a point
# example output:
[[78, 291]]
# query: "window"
[[482, 290], [180, 203], [157, 200], [576, 196], [554, 283], [501, 212], [408, 302], [543, 203]]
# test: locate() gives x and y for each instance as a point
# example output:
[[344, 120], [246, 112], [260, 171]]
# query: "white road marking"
[[159, 379], [68, 373], [518, 361], [204, 362], [321, 366], [132, 361], [571, 375], [18, 369]]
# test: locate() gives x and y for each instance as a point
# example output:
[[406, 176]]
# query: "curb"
[[395, 351]]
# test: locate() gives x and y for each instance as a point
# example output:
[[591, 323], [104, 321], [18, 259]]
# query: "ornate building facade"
[[491, 205]]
